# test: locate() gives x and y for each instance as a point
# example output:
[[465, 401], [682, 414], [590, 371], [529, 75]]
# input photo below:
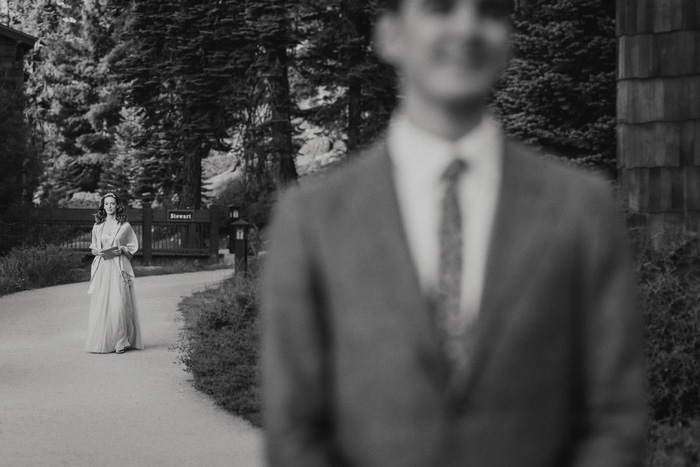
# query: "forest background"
[[130, 96]]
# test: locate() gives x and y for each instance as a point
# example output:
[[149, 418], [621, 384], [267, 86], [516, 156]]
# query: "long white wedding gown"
[[113, 321]]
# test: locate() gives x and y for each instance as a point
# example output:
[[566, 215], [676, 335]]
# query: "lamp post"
[[240, 245], [234, 214]]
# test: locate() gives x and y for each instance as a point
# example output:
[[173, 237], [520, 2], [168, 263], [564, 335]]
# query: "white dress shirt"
[[420, 159]]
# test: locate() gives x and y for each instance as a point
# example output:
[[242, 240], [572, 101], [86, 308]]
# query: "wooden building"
[[658, 109], [13, 46]]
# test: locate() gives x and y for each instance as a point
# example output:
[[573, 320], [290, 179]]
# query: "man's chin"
[[462, 98]]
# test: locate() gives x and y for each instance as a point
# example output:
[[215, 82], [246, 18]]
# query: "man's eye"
[[439, 6]]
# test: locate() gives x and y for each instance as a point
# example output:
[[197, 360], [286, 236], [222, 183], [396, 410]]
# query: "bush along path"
[[63, 406], [220, 345]]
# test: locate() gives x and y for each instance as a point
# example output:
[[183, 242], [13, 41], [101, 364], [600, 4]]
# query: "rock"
[[316, 146]]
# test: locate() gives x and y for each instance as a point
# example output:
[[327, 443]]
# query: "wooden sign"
[[180, 215]]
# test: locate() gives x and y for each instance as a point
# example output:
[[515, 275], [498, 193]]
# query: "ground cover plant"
[[220, 345], [669, 286]]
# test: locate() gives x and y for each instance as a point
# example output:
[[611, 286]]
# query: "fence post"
[[215, 214], [147, 233]]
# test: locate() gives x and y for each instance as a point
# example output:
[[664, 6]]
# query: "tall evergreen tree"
[[336, 57], [69, 100], [191, 67], [559, 91]]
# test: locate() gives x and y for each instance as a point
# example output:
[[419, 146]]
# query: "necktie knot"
[[454, 170]]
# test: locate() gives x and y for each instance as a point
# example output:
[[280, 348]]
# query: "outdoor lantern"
[[234, 212], [239, 232]]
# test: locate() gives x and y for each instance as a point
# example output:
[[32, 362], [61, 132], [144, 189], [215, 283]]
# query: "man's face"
[[448, 51]]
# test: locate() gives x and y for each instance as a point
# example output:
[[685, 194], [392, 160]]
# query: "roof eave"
[[19, 36]]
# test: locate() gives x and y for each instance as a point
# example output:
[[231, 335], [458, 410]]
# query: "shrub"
[[30, 267], [669, 286], [220, 345], [674, 446]]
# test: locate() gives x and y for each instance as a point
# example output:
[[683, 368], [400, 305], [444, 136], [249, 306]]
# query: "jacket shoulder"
[[559, 174], [582, 197]]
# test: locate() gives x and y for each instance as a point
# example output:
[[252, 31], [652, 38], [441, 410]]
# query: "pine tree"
[[69, 90], [559, 91], [337, 58]]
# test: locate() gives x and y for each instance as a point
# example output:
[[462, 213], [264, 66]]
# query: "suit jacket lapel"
[[381, 208], [516, 245]]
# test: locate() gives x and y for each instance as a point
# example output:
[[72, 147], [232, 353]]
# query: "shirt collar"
[[427, 155]]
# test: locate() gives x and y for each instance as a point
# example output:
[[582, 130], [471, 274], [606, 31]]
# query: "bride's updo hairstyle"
[[101, 214]]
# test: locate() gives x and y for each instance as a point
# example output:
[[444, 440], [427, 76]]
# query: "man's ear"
[[387, 37]]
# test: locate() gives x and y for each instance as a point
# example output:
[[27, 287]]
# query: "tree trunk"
[[280, 101], [354, 113], [192, 188], [355, 14]]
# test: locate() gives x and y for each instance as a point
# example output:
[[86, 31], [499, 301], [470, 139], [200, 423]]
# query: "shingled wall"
[[658, 108]]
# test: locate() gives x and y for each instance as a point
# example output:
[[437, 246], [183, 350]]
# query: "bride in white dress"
[[113, 323]]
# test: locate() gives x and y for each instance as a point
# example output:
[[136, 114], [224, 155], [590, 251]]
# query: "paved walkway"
[[60, 406]]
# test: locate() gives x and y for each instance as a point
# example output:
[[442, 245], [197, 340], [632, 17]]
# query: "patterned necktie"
[[450, 319]]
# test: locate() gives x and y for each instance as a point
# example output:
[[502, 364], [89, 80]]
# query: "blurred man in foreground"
[[451, 299]]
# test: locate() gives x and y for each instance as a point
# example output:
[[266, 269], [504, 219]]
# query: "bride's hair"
[[101, 214]]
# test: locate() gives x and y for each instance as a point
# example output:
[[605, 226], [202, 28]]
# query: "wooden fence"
[[161, 232]]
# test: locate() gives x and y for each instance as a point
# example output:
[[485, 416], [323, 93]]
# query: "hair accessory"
[[109, 194]]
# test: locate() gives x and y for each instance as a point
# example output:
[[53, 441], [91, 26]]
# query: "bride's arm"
[[132, 243], [125, 252], [93, 246]]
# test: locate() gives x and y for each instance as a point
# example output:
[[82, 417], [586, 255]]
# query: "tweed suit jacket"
[[353, 374]]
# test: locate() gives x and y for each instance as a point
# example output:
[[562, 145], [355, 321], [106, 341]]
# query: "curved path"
[[61, 406]]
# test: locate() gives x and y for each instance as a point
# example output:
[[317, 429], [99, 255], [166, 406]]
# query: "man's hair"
[[395, 5]]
